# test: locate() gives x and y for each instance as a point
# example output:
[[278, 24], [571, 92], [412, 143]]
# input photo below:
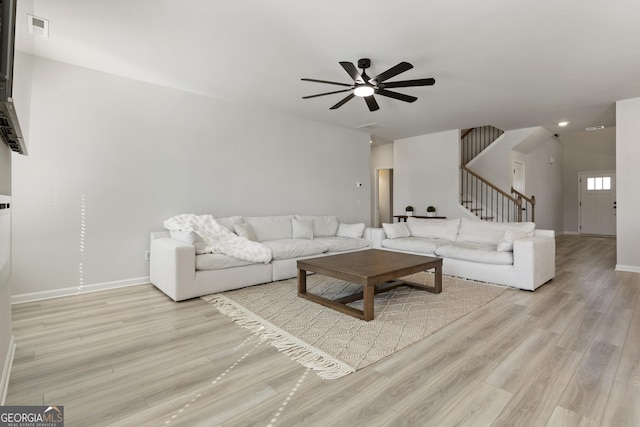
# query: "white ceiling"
[[511, 64]]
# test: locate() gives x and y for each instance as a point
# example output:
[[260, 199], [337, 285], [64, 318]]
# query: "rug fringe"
[[308, 356]]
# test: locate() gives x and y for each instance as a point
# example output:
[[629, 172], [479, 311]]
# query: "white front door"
[[598, 203]]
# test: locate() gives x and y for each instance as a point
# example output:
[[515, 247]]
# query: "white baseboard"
[[6, 371], [84, 289], [628, 268], [571, 233]]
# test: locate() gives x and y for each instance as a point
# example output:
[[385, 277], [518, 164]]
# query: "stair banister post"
[[533, 208]]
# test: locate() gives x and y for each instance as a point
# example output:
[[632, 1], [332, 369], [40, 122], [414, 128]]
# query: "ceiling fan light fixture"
[[366, 87], [363, 90]]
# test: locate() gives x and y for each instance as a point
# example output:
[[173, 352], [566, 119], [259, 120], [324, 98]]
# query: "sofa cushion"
[[294, 248], [476, 252], [350, 230], [302, 228], [490, 233], [246, 230], [271, 227], [446, 229], [229, 222], [396, 230], [218, 262], [420, 245], [341, 244], [505, 244], [323, 225]]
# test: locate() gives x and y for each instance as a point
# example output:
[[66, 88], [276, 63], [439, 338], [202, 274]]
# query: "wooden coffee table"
[[373, 269]]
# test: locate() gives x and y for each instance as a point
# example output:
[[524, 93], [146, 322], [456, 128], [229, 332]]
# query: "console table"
[[402, 218]]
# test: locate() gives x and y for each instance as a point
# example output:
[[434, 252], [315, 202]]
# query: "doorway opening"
[[384, 196]]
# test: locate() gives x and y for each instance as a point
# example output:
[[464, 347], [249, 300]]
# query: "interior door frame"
[[376, 194], [580, 175]]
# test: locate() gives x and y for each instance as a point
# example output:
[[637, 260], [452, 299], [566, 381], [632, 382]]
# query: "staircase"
[[481, 197]]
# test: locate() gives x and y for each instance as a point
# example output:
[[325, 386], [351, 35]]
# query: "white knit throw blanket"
[[218, 239]]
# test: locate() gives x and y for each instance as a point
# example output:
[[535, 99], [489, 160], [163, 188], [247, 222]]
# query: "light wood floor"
[[567, 354]]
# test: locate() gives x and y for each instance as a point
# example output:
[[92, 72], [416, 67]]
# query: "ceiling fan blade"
[[326, 93], [327, 82], [391, 72], [409, 83], [352, 71], [371, 103], [344, 100], [396, 95]]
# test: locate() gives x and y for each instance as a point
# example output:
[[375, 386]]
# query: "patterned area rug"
[[336, 344]]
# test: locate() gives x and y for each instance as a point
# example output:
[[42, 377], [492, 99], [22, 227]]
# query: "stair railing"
[[527, 205], [474, 140], [482, 197], [488, 201]]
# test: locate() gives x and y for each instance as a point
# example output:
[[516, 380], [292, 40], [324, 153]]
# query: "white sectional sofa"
[[180, 271], [511, 254]]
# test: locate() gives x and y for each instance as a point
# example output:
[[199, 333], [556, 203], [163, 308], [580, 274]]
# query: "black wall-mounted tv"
[[9, 126]]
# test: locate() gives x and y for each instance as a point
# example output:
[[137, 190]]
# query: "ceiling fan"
[[365, 87]]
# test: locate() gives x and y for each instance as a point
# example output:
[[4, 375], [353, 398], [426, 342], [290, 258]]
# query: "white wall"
[[583, 152], [627, 182], [111, 158], [544, 181], [381, 157], [426, 172]]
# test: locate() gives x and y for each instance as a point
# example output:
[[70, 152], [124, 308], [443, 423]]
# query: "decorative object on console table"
[[431, 211], [408, 210]]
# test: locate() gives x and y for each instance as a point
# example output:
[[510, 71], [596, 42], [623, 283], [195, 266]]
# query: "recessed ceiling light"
[[594, 128], [563, 123]]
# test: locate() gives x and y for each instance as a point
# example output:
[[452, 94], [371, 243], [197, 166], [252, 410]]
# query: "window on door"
[[599, 183]]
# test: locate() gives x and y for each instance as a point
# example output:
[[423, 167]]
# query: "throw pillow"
[[245, 230], [323, 225], [505, 244], [270, 227], [350, 230], [302, 228], [395, 230]]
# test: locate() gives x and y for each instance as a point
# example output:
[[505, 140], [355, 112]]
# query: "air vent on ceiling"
[[38, 26], [369, 126]]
